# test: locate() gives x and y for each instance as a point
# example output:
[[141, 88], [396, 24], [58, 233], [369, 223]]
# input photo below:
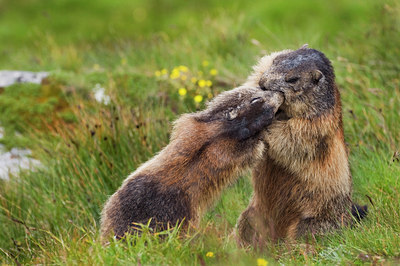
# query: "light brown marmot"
[[303, 184], [206, 152]]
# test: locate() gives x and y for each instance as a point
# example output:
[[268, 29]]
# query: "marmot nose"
[[262, 85]]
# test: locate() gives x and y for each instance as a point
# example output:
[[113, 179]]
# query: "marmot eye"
[[292, 79], [256, 100]]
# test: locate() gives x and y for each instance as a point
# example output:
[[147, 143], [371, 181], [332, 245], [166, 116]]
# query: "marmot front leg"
[[250, 227]]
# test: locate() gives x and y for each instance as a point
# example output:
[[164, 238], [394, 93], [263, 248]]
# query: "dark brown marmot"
[[206, 152], [303, 184]]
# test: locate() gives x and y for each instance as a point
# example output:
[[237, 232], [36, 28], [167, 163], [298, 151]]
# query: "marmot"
[[207, 149], [303, 183]]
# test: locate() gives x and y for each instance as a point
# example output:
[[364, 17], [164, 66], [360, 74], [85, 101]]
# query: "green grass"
[[52, 215]]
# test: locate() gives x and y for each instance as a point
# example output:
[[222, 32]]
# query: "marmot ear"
[[316, 75], [305, 46]]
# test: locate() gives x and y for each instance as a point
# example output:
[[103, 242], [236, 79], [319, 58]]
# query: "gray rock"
[[14, 161], [10, 77], [11, 162]]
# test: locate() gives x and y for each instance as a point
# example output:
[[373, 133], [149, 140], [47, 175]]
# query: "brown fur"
[[303, 184], [206, 151]]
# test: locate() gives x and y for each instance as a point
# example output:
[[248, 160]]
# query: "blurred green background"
[[34, 26], [130, 49]]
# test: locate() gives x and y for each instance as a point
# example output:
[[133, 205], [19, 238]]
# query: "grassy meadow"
[[156, 60]]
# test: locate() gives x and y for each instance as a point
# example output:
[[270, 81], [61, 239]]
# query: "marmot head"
[[239, 103], [306, 78], [242, 112]]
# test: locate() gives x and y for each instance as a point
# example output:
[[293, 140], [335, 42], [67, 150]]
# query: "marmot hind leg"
[[142, 199], [321, 225], [315, 226]]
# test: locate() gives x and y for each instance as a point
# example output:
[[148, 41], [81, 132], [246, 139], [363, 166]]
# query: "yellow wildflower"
[[175, 74], [210, 254], [193, 80], [205, 63], [164, 71], [208, 83], [202, 83], [182, 91], [183, 68], [123, 61], [213, 72], [210, 95], [198, 98], [157, 73], [183, 77], [262, 262], [96, 67]]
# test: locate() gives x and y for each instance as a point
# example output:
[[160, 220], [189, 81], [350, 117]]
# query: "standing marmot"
[[303, 184], [206, 152]]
